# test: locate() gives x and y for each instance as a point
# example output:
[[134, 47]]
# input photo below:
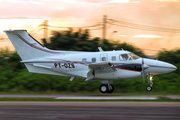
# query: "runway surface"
[[95, 97], [89, 110]]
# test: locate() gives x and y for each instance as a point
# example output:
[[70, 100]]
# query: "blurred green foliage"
[[14, 77], [81, 41]]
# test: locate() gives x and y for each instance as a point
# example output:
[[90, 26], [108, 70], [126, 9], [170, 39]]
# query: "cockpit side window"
[[134, 56], [123, 57]]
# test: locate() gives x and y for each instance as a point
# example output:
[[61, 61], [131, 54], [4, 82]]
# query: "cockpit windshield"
[[134, 56]]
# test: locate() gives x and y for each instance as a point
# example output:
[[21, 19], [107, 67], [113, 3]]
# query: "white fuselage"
[[76, 64]]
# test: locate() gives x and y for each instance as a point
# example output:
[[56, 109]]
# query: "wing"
[[102, 67], [96, 68]]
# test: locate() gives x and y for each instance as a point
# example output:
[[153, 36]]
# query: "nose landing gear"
[[150, 79], [149, 88]]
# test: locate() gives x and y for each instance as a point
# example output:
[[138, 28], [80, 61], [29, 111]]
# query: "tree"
[[81, 41], [172, 56]]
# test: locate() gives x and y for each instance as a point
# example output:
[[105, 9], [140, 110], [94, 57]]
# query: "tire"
[[149, 88], [103, 88], [110, 90]]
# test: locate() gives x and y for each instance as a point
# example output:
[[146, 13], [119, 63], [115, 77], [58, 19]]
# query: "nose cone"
[[173, 68], [159, 67], [169, 67], [166, 67]]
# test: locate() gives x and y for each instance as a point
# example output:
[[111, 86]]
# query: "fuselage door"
[[104, 57]]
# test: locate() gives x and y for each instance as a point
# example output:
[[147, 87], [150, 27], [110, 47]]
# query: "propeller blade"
[[142, 66]]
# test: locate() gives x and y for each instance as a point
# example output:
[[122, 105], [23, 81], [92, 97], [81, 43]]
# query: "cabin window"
[[123, 57], [113, 58], [84, 60], [93, 60], [103, 58]]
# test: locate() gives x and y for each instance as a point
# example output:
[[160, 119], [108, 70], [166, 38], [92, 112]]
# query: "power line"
[[95, 25], [107, 23], [143, 27], [80, 20]]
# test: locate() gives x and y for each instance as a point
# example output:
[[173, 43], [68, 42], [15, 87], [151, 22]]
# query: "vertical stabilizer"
[[26, 46]]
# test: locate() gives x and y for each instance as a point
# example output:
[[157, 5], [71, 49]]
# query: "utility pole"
[[46, 29], [104, 27]]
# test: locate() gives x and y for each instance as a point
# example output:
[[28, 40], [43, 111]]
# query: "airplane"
[[104, 65]]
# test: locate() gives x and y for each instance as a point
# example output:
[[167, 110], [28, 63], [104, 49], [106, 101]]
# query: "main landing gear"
[[106, 86], [149, 88]]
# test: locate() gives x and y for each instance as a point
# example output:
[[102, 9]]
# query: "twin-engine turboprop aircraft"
[[104, 65]]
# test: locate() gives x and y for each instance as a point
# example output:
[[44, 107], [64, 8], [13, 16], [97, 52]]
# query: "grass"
[[85, 93]]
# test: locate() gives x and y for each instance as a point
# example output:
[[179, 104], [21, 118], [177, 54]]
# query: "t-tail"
[[30, 50], [26, 46]]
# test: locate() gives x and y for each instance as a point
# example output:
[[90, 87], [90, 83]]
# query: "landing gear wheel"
[[110, 89], [148, 88], [103, 88]]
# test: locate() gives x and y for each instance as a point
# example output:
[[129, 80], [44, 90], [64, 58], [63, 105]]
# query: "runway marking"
[[109, 98], [96, 97]]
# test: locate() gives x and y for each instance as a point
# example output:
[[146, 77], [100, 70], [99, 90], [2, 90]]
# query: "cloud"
[[66, 1], [147, 36], [17, 1], [94, 1], [19, 17], [120, 1], [168, 0], [122, 35], [37, 3], [60, 8]]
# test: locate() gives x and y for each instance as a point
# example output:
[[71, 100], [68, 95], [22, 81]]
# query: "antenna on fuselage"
[[100, 49], [122, 49]]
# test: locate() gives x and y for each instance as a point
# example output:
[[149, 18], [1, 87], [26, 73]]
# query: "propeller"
[[144, 67]]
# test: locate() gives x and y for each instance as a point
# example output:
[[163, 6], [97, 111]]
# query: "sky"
[[29, 14]]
